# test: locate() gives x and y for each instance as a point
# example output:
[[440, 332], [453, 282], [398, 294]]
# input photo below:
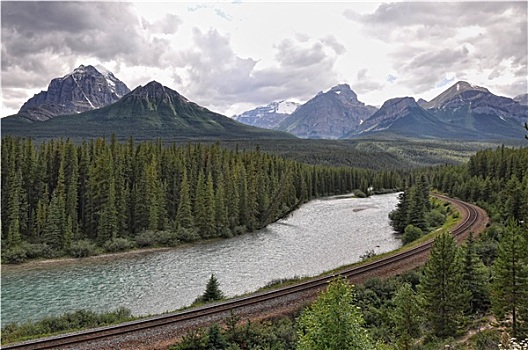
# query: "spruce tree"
[[398, 217], [510, 279], [209, 224], [417, 208], [442, 290], [406, 316], [14, 237], [212, 291], [184, 217], [475, 277], [107, 229], [199, 208], [153, 196], [54, 232], [221, 219]]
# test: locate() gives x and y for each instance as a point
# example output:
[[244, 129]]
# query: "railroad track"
[[471, 214]]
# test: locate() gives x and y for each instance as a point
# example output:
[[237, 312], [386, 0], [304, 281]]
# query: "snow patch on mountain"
[[286, 107], [267, 116]]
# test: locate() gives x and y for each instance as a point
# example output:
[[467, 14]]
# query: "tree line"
[[59, 197]]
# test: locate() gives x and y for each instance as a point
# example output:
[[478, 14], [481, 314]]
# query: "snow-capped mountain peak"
[[268, 116], [85, 88]]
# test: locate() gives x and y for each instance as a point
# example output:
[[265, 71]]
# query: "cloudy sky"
[[233, 56]]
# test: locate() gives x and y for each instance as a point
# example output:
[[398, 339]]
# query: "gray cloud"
[[43, 40], [432, 38], [67, 30], [365, 83], [220, 77], [69, 27]]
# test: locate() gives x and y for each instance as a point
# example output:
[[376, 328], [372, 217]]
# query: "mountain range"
[[463, 111], [92, 102], [328, 115], [147, 112]]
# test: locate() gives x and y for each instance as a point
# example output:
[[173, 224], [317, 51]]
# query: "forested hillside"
[[61, 198], [497, 180]]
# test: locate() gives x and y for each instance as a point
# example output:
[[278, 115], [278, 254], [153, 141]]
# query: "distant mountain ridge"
[[84, 89], [463, 111], [268, 116], [405, 117], [328, 115]]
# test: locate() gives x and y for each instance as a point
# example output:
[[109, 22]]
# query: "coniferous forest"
[[61, 198], [480, 286]]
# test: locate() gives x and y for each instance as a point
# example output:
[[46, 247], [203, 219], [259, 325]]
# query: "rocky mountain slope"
[[329, 115], [84, 89], [148, 112], [463, 111], [405, 117], [475, 100], [269, 116]]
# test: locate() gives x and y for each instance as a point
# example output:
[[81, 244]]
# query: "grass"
[[69, 322]]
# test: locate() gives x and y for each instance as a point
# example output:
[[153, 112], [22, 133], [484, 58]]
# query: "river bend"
[[321, 235]]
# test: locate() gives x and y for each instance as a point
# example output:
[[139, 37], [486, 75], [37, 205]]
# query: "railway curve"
[[161, 331]]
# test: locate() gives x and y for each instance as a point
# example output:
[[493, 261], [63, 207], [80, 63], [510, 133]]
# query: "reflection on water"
[[319, 236]]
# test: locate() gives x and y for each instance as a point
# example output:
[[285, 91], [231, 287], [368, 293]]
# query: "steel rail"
[[471, 216]]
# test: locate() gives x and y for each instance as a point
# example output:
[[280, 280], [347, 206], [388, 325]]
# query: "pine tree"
[[209, 224], [71, 180], [153, 196], [251, 221], [212, 291], [107, 229], [54, 232], [199, 209], [444, 296], [406, 316], [398, 216], [333, 322], [510, 279], [184, 217], [417, 208], [221, 219], [14, 237], [474, 275]]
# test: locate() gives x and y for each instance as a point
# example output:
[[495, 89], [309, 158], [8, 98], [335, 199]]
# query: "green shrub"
[[360, 194], [39, 250], [146, 239], [167, 238], [411, 234], [118, 245], [14, 255], [187, 234], [239, 230], [159, 238], [434, 218], [82, 249]]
